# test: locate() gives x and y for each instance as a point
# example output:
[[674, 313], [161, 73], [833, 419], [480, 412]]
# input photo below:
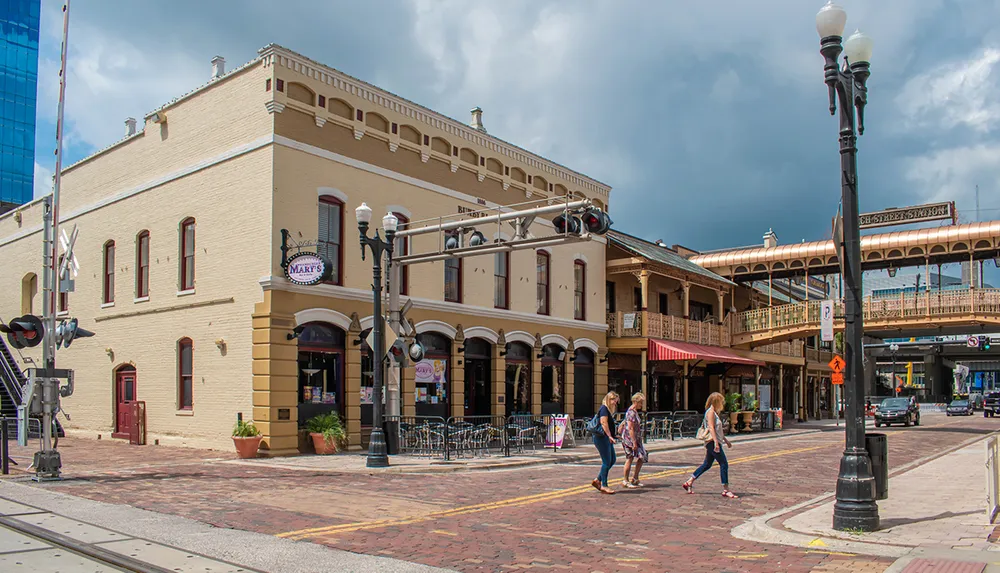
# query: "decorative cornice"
[[274, 54], [274, 106], [363, 295]]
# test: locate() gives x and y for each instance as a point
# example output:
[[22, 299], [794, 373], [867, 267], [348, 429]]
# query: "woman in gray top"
[[713, 448]]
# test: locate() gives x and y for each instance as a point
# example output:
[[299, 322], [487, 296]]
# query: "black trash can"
[[878, 450], [390, 429]]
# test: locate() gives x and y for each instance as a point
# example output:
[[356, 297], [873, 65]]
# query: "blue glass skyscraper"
[[18, 92]]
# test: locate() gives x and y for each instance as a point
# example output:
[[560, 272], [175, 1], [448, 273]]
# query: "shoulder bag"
[[594, 425], [703, 432]]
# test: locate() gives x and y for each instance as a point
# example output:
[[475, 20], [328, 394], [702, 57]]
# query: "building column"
[[756, 384], [352, 385], [536, 377], [686, 366], [408, 386], [458, 374], [806, 283], [686, 286], [275, 373], [644, 287], [644, 372], [600, 377], [781, 387], [569, 381], [721, 298], [499, 365]]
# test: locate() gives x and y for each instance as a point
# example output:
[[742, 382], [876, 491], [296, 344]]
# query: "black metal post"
[[855, 508], [893, 377], [378, 456]]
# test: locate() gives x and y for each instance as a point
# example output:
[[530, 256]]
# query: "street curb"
[[759, 529], [456, 466]]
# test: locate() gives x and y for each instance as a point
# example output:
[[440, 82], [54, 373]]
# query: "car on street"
[[897, 411], [991, 405], [959, 408]]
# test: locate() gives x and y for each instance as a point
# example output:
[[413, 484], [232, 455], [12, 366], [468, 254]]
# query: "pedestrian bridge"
[[929, 313]]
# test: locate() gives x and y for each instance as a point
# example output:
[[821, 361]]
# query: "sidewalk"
[[584, 451], [142, 540], [935, 518]]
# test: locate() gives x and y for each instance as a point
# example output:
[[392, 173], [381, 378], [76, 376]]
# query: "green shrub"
[[329, 425], [245, 430], [733, 400]]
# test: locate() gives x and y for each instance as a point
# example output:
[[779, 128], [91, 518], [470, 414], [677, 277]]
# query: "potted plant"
[[747, 415], [247, 438], [733, 400], [327, 433]]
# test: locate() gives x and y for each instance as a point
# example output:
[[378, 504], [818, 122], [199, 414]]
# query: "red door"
[[124, 396]]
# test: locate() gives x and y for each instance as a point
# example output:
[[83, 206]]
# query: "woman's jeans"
[[712, 456], [608, 457]]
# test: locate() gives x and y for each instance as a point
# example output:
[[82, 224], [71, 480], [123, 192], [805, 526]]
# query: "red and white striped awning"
[[669, 350]]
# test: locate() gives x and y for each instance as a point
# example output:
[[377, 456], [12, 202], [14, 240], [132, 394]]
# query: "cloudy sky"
[[709, 119]]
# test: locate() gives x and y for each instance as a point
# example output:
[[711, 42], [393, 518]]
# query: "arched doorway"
[[583, 383], [321, 370], [431, 376], [518, 379], [553, 378], [478, 377], [125, 394]]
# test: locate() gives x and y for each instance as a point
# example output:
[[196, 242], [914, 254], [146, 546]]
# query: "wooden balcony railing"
[[930, 305], [665, 327], [792, 348]]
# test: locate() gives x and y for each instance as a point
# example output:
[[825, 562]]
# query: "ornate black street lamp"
[[855, 508], [377, 454]]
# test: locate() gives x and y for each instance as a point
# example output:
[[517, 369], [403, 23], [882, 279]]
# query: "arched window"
[[501, 280], [453, 279], [401, 249], [185, 377], [109, 273], [187, 254], [142, 265], [331, 235], [579, 290], [542, 282]]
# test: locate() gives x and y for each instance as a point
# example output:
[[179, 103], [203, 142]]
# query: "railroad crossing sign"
[[390, 337], [837, 365], [972, 341]]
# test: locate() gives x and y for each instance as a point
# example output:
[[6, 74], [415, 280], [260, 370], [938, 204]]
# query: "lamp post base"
[[855, 508], [377, 454]]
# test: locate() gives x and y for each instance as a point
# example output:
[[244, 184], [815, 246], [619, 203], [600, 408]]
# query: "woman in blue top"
[[606, 442]]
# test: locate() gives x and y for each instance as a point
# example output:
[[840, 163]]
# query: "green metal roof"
[[663, 255]]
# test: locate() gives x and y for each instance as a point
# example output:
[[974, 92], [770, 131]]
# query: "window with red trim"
[[579, 290], [187, 254], [185, 378], [142, 265], [330, 238], [501, 280], [542, 282], [109, 272], [453, 279]]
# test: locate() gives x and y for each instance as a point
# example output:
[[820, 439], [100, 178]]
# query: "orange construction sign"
[[837, 378], [837, 365]]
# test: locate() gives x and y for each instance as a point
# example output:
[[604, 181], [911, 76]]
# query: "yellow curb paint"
[[816, 543], [502, 504]]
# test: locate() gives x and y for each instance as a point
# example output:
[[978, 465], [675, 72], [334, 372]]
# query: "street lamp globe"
[[364, 214], [858, 48], [390, 222], [830, 20]]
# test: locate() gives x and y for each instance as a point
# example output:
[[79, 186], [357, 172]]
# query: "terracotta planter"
[[747, 419], [734, 421], [247, 447], [321, 445]]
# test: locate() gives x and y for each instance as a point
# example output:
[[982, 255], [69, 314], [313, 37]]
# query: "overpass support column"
[[937, 378]]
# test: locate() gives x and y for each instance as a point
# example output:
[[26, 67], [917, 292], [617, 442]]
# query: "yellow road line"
[[513, 502]]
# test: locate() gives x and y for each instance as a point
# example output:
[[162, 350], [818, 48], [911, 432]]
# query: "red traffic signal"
[[24, 331], [596, 221], [567, 224]]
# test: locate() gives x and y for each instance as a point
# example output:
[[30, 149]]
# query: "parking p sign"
[[826, 321]]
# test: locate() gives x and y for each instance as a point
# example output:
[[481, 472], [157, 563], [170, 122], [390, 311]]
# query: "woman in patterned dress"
[[631, 435]]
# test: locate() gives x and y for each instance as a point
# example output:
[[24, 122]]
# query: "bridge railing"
[[932, 304]]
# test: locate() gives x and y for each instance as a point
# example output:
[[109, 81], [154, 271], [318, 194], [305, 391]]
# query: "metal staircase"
[[12, 381]]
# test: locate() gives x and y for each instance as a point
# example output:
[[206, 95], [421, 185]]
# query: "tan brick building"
[[180, 232]]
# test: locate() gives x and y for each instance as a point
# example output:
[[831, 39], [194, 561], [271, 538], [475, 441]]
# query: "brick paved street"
[[545, 517]]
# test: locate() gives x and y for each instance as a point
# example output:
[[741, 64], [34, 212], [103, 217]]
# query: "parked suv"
[[897, 411], [991, 405], [960, 408]]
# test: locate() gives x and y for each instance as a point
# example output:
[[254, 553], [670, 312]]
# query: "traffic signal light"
[[567, 224], [67, 331], [596, 221], [984, 343], [593, 221], [24, 331]]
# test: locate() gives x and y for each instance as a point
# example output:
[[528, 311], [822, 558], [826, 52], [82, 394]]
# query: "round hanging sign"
[[306, 268]]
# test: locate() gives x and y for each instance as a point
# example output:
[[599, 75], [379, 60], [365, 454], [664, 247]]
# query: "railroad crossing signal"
[[24, 331]]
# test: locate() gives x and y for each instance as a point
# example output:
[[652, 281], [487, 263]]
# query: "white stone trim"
[[187, 292], [556, 339], [482, 332], [108, 305], [365, 295], [520, 336], [545, 250], [184, 172], [437, 326], [586, 343], [582, 257], [327, 315], [401, 210], [332, 192], [367, 322]]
